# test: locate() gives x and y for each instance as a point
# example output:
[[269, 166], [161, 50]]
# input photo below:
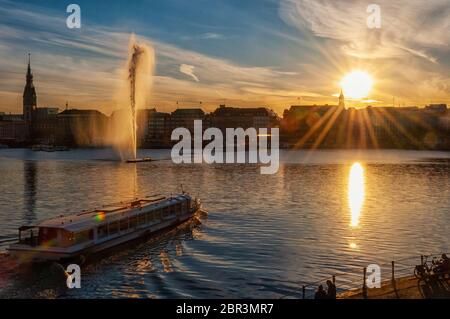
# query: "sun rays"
[[333, 126]]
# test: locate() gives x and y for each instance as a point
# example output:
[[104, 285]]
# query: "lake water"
[[264, 235]]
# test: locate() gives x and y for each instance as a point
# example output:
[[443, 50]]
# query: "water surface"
[[264, 236]]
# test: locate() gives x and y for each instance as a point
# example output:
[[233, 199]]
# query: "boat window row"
[[56, 237], [141, 219]]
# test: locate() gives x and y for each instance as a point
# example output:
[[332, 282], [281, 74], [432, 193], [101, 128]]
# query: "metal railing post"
[[364, 289], [303, 292], [393, 271]]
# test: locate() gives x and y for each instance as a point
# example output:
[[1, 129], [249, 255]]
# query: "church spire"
[[341, 99], [29, 74], [29, 98]]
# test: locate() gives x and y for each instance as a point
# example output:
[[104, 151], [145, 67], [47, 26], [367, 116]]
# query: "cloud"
[[408, 26], [188, 70], [212, 36], [206, 36]]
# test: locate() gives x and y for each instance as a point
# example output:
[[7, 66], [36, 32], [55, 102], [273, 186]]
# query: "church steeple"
[[29, 98], [341, 99], [29, 74]]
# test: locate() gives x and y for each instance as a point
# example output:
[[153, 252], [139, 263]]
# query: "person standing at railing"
[[320, 293], [331, 290], [443, 265]]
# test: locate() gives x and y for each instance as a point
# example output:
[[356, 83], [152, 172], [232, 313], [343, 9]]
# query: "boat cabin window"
[[67, 238], [133, 221], [84, 236], [113, 228], [48, 236], [142, 219], [29, 236], [124, 224], [102, 231], [149, 217]]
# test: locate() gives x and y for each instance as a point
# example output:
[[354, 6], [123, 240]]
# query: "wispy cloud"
[[206, 36], [212, 36], [408, 26], [188, 70]]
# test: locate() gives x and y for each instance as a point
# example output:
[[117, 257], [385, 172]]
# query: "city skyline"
[[286, 62]]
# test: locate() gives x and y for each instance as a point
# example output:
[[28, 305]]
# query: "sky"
[[272, 53]]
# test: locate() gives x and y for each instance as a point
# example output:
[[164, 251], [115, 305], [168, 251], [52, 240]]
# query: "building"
[[436, 107], [341, 100], [12, 130], [233, 117], [11, 117], [75, 127], [34, 124], [29, 102], [159, 130], [185, 118], [45, 112]]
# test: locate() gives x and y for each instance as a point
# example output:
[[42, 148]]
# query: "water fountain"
[[137, 80]]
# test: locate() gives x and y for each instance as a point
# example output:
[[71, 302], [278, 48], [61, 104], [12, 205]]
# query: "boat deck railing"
[[149, 198], [134, 202], [355, 280]]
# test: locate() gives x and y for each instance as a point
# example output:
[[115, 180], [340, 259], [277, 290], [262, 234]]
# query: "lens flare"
[[100, 217]]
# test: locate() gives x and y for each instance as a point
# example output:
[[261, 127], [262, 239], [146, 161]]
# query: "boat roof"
[[107, 213]]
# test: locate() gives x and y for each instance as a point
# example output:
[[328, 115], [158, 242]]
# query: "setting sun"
[[357, 84]]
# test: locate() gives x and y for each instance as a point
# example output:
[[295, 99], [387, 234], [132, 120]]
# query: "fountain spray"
[[136, 53], [132, 96]]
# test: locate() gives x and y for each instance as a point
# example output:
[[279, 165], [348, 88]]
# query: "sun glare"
[[356, 192], [357, 84]]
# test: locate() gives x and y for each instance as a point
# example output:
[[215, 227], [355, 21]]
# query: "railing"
[[348, 281]]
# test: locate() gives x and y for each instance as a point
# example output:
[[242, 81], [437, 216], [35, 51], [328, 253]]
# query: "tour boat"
[[74, 236]]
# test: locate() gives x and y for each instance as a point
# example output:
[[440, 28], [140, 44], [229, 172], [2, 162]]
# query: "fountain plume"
[[136, 86]]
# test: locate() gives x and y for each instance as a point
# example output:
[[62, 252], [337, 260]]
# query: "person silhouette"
[[320, 293], [331, 290]]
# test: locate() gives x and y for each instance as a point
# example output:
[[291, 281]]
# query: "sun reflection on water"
[[356, 192]]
